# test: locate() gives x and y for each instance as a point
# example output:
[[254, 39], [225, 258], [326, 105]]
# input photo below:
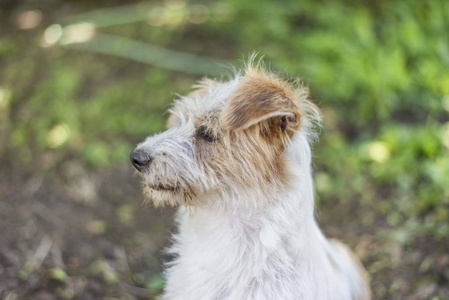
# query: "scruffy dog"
[[236, 161]]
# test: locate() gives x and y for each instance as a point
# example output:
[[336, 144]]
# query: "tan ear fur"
[[261, 96]]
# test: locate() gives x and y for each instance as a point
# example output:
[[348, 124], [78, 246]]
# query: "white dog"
[[237, 161]]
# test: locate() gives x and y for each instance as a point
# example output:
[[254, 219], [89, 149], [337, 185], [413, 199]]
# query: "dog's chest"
[[235, 260]]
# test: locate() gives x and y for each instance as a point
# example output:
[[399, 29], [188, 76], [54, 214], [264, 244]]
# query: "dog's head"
[[225, 138]]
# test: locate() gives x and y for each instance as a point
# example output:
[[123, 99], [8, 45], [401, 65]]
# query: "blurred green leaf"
[[58, 274], [156, 283]]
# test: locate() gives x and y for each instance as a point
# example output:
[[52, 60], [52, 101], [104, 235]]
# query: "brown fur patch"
[[259, 97], [240, 158], [243, 159]]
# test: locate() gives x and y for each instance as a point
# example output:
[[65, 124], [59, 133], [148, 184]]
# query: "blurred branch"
[[126, 14], [150, 54], [42, 251], [112, 16]]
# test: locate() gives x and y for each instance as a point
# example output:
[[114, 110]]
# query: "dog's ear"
[[262, 98]]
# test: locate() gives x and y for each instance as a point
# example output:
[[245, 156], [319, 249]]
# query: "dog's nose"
[[140, 159]]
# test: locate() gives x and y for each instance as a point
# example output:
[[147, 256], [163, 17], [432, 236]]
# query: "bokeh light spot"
[[4, 98], [175, 4], [379, 152], [78, 33], [52, 34], [58, 135], [175, 16], [29, 19]]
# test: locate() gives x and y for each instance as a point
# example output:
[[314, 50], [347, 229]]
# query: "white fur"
[[274, 252]]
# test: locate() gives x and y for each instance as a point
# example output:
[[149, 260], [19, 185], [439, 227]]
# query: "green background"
[[70, 113]]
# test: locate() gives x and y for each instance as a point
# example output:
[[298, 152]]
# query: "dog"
[[236, 160]]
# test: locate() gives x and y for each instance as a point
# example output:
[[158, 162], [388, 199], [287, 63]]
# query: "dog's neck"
[[254, 254]]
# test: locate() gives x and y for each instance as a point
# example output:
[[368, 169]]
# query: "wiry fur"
[[237, 162]]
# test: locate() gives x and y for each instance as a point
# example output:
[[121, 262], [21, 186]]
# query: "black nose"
[[140, 159]]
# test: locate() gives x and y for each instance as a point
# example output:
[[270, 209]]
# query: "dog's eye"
[[206, 134]]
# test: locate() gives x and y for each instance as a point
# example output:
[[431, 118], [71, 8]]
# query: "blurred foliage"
[[379, 70]]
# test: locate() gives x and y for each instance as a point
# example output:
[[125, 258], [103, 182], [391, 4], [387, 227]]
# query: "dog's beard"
[[163, 192], [163, 197]]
